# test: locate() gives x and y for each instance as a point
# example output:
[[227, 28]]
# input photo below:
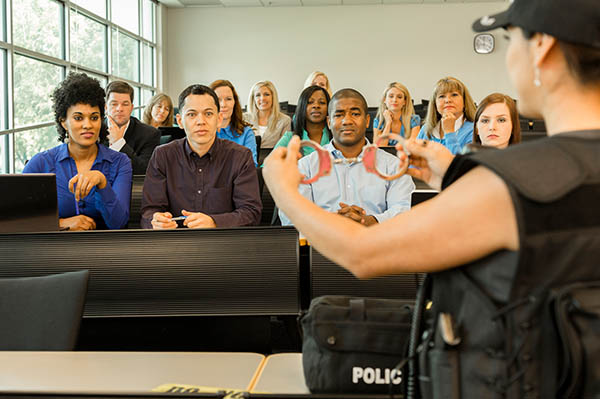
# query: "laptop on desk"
[[28, 203], [174, 132]]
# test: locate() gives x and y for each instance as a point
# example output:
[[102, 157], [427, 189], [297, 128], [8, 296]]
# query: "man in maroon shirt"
[[202, 179]]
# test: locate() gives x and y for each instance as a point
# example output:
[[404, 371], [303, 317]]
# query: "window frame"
[[9, 49]]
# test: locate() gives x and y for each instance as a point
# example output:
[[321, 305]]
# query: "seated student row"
[[101, 179]]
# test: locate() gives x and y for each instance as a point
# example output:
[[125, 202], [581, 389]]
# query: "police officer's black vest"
[[526, 323]]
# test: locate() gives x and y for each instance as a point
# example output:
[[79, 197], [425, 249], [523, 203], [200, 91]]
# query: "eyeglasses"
[[368, 159]]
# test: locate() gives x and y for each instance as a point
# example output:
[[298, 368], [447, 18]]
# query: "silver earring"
[[536, 77]]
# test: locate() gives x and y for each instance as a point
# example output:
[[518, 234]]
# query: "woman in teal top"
[[310, 119]]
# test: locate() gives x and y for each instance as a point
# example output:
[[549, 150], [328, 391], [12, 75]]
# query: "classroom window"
[[98, 7], [30, 142], [146, 96], [100, 78], [3, 20], [37, 26], [125, 56], [4, 143], [3, 91], [137, 103], [147, 64], [88, 41], [51, 38], [148, 11], [34, 82], [124, 13]]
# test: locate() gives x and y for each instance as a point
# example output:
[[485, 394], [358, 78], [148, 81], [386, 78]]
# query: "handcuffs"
[[368, 159]]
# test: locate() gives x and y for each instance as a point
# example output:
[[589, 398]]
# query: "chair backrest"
[[135, 206], [184, 272], [531, 135], [291, 109], [263, 153], [283, 105], [269, 216], [372, 111], [422, 195], [258, 141], [421, 110], [328, 278], [42, 313], [538, 125]]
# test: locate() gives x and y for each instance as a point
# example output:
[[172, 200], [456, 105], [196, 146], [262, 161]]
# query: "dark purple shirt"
[[222, 184]]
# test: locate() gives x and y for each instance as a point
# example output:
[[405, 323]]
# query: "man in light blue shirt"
[[349, 190]]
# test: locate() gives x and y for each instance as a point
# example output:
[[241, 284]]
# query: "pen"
[[76, 202], [179, 218]]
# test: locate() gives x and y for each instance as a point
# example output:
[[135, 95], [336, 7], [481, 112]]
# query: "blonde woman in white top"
[[318, 78], [264, 114]]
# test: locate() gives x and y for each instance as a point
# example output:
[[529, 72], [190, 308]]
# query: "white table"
[[283, 374], [124, 372]]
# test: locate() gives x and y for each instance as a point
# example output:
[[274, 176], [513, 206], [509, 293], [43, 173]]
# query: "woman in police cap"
[[522, 223]]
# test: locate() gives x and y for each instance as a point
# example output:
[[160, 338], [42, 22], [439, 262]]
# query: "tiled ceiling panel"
[[309, 3], [201, 2], [242, 3], [305, 3], [360, 2], [281, 3]]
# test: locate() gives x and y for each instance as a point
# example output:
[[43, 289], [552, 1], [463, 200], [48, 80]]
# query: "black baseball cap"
[[574, 21]]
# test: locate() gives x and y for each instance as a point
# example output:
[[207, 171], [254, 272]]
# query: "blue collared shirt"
[[246, 139], [454, 141], [351, 184], [109, 207]]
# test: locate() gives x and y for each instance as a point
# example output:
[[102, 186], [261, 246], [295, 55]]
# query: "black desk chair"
[[328, 278], [135, 204], [525, 125], [258, 142], [263, 153], [42, 313], [422, 195], [269, 216], [531, 135], [291, 109], [538, 125]]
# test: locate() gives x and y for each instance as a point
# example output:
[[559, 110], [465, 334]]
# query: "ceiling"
[[305, 3]]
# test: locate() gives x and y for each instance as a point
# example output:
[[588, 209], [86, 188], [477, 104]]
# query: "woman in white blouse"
[[264, 114]]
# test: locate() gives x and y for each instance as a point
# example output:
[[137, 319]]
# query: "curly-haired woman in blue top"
[[93, 182]]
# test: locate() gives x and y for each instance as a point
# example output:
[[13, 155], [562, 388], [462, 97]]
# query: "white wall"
[[364, 47]]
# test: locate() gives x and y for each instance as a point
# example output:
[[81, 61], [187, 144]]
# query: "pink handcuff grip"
[[368, 159], [324, 161], [370, 153]]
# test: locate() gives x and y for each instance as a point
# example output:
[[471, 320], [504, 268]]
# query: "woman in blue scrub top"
[[310, 119], [450, 115], [233, 127], [93, 182]]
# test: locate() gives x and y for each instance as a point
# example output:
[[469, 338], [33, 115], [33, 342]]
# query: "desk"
[[282, 373], [123, 372]]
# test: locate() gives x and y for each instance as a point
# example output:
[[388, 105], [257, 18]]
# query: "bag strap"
[[357, 309]]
